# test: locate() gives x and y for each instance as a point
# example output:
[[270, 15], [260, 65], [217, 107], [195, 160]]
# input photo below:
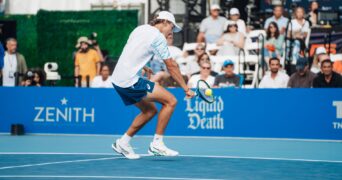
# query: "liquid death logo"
[[203, 115], [338, 105], [64, 114]]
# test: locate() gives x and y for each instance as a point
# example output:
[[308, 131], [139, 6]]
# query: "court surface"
[[91, 157]]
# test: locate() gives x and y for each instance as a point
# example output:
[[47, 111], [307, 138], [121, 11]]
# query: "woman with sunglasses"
[[203, 75]]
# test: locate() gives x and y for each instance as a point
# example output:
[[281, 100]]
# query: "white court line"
[[194, 156], [189, 137], [59, 162], [100, 177]]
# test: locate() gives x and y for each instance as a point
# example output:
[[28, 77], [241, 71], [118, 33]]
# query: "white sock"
[[158, 138], [126, 138]]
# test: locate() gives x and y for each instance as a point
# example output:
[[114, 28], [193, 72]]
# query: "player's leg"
[[148, 111], [169, 103], [122, 145]]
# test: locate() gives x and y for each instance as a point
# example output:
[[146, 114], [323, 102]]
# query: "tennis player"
[[143, 44]]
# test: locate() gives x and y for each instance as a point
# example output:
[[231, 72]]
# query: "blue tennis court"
[[91, 157]]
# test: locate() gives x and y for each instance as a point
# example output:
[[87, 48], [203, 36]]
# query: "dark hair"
[[200, 57], [326, 61], [276, 34], [103, 65], [236, 26], [156, 21], [274, 59]]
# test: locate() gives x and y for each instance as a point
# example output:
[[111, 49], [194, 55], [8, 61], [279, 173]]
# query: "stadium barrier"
[[261, 113]]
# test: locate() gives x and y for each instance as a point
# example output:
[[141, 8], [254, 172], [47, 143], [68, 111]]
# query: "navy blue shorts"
[[135, 93]]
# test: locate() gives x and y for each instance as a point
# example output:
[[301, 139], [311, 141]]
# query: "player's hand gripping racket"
[[204, 91]]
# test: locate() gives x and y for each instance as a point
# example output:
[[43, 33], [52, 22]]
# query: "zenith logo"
[[64, 113], [338, 105]]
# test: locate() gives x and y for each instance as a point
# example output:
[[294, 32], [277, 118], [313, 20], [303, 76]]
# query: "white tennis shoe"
[[125, 149], [159, 149]]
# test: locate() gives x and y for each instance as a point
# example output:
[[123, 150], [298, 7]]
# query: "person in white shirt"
[[275, 78], [143, 43], [234, 15], [203, 75], [212, 27], [299, 26], [14, 64], [102, 81]]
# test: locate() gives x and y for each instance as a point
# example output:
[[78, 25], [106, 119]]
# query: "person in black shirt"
[[327, 78], [228, 79]]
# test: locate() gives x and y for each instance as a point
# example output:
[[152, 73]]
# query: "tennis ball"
[[208, 92]]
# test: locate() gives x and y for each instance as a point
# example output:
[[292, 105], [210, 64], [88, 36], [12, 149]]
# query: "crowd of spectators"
[[228, 34]]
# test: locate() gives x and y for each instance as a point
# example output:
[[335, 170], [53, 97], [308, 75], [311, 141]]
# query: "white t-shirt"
[[143, 43], [10, 67], [195, 78], [98, 82], [280, 81], [296, 27]]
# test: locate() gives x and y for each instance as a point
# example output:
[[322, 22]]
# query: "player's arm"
[[174, 71]]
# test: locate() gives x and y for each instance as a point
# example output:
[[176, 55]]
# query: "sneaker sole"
[[120, 152], [154, 153]]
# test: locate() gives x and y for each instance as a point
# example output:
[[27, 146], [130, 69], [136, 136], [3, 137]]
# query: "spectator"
[[192, 65], [275, 78], [33, 78], [313, 14], [212, 27], [274, 42], [303, 78], [320, 53], [327, 78], [228, 79], [102, 81], [231, 41], [299, 26], [205, 58], [204, 75], [234, 15], [278, 18], [14, 64], [87, 61]]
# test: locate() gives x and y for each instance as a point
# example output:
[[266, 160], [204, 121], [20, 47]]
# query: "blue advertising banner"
[[265, 113]]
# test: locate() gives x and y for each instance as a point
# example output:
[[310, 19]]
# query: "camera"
[[93, 38], [50, 69]]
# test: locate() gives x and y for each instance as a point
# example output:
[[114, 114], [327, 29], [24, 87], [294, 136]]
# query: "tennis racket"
[[204, 91]]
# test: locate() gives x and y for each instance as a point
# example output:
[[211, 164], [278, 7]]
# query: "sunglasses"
[[200, 49]]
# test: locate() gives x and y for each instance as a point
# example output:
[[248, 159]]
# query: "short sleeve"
[[306, 27], [77, 61], [96, 57], [159, 47], [203, 26]]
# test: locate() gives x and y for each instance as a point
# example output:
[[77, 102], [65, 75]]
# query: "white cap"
[[234, 11], [320, 50], [214, 7], [170, 17]]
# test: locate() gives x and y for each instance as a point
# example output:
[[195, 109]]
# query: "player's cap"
[[320, 50], [81, 40], [228, 62], [234, 11], [170, 17], [301, 63], [215, 7]]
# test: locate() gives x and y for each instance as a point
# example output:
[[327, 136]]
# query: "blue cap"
[[228, 62], [301, 63]]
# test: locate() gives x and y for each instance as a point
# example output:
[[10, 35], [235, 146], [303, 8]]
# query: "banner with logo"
[[264, 113]]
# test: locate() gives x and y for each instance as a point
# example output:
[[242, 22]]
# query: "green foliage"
[[51, 36]]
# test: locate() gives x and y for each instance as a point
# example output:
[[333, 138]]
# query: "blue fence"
[[281, 113]]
